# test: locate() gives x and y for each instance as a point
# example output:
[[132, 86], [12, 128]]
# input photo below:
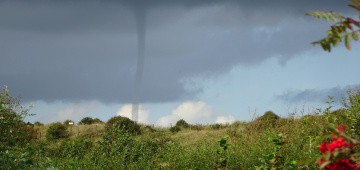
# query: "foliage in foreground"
[[345, 29], [268, 142]]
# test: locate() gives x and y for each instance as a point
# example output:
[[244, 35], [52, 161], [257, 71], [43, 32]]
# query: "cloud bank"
[[317, 95], [86, 50], [125, 111], [194, 112], [74, 112]]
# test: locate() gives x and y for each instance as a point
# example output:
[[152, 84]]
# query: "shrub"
[[276, 160], [147, 128], [76, 148], [115, 140], [175, 129], [222, 152], [37, 123], [86, 121], [67, 122], [352, 104], [123, 123], [269, 115], [56, 131], [217, 126], [182, 123], [13, 130], [97, 120], [197, 127], [267, 120]]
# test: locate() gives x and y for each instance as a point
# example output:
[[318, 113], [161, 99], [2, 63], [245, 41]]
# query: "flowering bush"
[[336, 153]]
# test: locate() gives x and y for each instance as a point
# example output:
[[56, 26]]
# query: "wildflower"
[[341, 128], [340, 160]]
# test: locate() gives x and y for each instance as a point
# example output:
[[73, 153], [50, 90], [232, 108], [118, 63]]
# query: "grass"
[[251, 145], [91, 131]]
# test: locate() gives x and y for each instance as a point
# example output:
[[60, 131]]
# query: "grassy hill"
[[267, 142], [250, 145]]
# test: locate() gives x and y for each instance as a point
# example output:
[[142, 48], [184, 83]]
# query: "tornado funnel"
[[140, 16]]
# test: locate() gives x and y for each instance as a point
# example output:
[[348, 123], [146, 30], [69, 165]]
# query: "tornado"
[[140, 17]]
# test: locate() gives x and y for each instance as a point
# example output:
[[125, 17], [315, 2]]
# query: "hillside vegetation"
[[267, 142]]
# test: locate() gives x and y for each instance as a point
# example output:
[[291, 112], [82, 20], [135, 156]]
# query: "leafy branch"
[[344, 30]]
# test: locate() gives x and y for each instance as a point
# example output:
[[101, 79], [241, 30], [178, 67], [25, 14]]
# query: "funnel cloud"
[[141, 32], [95, 49]]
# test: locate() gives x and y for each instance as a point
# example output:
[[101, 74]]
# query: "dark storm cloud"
[[87, 49], [318, 95]]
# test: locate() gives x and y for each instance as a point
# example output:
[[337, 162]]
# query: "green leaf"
[[325, 164], [328, 155], [336, 41], [336, 153], [355, 35], [347, 42]]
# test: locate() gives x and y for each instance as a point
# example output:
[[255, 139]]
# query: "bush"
[[37, 123], [56, 131], [124, 124], [216, 126], [13, 129], [269, 115], [67, 122], [97, 120], [352, 105], [197, 127], [175, 129], [76, 148], [86, 121], [182, 123], [267, 120]]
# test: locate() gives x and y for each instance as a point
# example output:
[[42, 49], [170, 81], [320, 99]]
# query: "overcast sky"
[[205, 60]]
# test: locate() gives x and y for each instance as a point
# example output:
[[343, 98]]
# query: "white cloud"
[[225, 119], [168, 120], [191, 111], [125, 111], [76, 111]]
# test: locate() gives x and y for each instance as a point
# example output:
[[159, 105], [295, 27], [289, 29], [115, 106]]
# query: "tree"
[[86, 121], [68, 122], [97, 120], [345, 28], [182, 123], [13, 129]]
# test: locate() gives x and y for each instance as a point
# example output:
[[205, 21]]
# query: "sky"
[[206, 61]]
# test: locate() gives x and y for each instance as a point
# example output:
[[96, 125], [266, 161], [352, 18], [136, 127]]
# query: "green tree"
[[182, 123], [13, 129], [97, 120], [67, 122], [345, 28], [86, 121]]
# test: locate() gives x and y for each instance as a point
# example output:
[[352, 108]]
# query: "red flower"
[[345, 164], [338, 143], [323, 147], [341, 128]]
